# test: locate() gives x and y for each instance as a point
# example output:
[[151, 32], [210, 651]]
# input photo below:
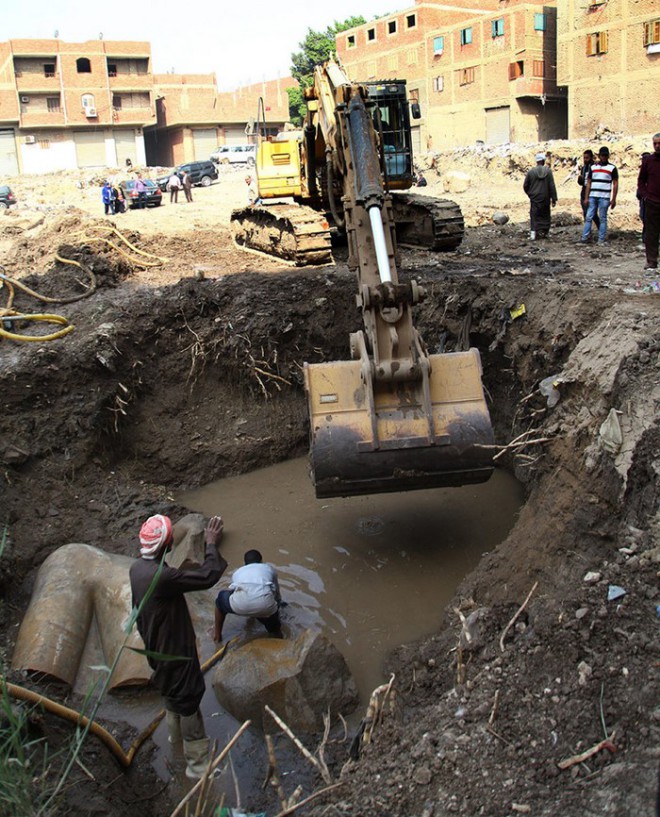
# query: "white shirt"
[[256, 590]]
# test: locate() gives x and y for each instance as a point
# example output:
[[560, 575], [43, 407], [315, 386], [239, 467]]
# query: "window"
[[466, 76], [652, 32], [438, 84], [44, 144], [411, 56], [350, 41], [53, 104], [438, 45], [538, 68], [392, 62], [49, 69], [83, 66], [411, 20], [116, 102], [516, 69], [539, 22], [112, 69], [596, 43], [498, 28], [466, 36], [413, 95], [371, 34], [391, 27], [371, 69], [88, 101]]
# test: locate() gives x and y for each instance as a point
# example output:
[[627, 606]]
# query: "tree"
[[315, 50]]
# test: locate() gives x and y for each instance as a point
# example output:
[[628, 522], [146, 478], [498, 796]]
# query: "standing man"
[[648, 191], [108, 200], [174, 185], [539, 185], [602, 188], [164, 623], [583, 178], [254, 591], [141, 189], [187, 185]]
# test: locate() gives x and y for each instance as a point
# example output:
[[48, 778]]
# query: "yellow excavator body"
[[278, 169], [400, 438]]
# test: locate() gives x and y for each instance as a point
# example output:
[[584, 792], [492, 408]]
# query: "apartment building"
[[193, 118], [609, 59], [482, 70], [68, 105]]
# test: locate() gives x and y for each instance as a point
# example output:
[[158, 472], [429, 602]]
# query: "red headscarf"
[[156, 532]]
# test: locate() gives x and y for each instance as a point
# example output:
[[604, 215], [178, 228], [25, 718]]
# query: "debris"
[[609, 435], [571, 761], [548, 388], [500, 218], [518, 612], [591, 577], [615, 592]]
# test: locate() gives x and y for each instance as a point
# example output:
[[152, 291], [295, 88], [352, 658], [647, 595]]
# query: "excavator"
[[394, 417]]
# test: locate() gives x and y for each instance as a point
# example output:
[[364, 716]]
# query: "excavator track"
[[423, 221], [291, 231]]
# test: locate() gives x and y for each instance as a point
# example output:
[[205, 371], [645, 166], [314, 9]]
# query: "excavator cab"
[[392, 121]]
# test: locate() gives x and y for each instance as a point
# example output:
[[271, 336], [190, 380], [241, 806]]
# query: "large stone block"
[[300, 679]]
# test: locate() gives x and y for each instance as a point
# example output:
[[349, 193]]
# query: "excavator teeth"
[[290, 231]]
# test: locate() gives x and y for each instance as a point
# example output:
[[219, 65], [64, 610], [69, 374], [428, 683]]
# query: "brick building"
[[98, 104], [193, 118], [609, 59], [481, 70], [67, 105]]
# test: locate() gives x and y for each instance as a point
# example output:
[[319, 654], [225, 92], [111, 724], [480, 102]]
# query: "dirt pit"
[[179, 374]]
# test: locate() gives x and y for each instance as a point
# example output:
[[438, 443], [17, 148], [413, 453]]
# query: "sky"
[[241, 42]]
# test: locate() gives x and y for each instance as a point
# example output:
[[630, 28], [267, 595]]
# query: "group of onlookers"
[[180, 181], [599, 182], [113, 199]]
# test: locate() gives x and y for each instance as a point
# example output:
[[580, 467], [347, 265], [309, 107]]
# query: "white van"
[[235, 154]]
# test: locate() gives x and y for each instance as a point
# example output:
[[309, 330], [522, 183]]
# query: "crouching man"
[[254, 591], [166, 628]]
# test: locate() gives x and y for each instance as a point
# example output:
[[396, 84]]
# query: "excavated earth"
[[172, 380]]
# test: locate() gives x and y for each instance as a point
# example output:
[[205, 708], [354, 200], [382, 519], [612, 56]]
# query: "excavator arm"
[[393, 418]]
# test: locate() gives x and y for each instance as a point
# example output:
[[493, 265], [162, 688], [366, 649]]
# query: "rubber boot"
[[173, 726], [196, 753], [532, 234]]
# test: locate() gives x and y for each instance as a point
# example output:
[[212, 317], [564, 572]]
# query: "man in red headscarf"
[[166, 628]]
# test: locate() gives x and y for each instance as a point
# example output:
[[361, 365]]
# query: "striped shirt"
[[602, 177]]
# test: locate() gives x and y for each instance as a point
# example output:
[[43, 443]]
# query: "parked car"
[[154, 196], [7, 198], [235, 154], [202, 172]]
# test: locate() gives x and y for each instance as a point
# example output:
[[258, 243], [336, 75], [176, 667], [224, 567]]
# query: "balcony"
[[42, 119], [535, 87], [130, 82], [134, 116], [25, 83]]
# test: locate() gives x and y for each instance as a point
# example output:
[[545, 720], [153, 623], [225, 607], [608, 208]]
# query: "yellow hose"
[[124, 758], [9, 312]]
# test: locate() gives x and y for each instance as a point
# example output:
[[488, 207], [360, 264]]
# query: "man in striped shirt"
[[601, 190]]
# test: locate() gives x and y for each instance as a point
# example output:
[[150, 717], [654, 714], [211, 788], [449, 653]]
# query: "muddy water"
[[369, 572]]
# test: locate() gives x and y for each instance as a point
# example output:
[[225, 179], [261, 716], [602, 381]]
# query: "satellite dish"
[[100, 35]]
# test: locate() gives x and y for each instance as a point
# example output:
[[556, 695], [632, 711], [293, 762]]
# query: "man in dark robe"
[[539, 185], [166, 628]]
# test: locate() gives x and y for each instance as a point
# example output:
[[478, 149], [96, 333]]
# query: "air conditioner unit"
[[90, 112], [25, 99], [30, 140]]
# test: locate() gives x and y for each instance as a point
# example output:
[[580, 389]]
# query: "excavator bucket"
[[398, 436]]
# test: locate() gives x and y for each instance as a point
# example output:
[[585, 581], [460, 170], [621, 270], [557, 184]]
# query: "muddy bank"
[[165, 388]]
